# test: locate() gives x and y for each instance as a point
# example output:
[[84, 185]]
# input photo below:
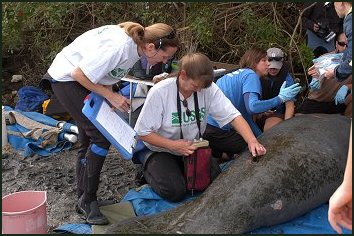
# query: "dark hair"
[[152, 34], [337, 36], [319, 51], [251, 58], [198, 67]]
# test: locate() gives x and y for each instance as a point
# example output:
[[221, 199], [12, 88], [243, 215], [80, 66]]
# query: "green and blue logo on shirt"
[[187, 119], [118, 73], [100, 30]]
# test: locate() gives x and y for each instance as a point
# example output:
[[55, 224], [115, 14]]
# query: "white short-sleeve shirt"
[[160, 115], [104, 54]]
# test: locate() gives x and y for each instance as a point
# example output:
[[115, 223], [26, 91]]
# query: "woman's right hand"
[[313, 72], [184, 147], [119, 102]]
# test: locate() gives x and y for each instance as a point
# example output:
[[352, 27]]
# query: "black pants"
[[313, 106], [221, 141], [164, 172], [89, 163]]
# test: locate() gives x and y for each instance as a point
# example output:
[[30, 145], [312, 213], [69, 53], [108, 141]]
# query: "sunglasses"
[[275, 58], [185, 104], [342, 44], [171, 35]]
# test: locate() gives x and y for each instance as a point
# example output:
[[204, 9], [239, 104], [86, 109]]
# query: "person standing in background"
[[343, 70], [322, 24]]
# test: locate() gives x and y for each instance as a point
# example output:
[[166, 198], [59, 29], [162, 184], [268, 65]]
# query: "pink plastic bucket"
[[25, 213]]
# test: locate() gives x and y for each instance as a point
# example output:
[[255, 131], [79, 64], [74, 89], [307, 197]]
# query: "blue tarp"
[[74, 229], [30, 99], [314, 222], [29, 146]]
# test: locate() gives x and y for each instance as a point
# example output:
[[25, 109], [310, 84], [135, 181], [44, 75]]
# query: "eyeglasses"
[[275, 58], [185, 104], [342, 44]]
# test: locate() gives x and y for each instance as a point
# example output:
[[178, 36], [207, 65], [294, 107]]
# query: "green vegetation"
[[37, 31]]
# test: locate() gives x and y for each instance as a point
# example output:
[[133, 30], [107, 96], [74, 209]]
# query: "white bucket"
[[4, 130]]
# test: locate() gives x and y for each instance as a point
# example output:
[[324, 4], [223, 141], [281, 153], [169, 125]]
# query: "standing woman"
[[168, 123], [343, 70], [95, 61]]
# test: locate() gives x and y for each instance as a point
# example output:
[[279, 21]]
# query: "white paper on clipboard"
[[116, 126]]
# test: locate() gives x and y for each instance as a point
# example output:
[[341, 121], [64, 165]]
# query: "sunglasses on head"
[[171, 35], [185, 104], [275, 58], [343, 44]]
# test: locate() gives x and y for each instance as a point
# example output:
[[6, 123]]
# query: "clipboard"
[[117, 131]]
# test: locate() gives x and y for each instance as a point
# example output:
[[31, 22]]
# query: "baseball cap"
[[275, 57]]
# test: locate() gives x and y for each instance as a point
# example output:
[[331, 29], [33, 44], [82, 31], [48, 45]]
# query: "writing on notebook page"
[[116, 126]]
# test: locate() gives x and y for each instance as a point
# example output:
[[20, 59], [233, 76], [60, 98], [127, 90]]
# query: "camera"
[[325, 32]]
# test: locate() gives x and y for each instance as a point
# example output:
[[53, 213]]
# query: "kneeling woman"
[[169, 137]]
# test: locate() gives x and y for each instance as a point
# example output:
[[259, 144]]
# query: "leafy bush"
[[37, 31]]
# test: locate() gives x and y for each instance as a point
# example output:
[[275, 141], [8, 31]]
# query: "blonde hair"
[[198, 67], [151, 34], [251, 58]]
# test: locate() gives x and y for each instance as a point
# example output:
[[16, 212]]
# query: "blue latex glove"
[[315, 84], [340, 96], [290, 92]]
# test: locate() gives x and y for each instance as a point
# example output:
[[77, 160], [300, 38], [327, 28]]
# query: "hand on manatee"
[[256, 148]]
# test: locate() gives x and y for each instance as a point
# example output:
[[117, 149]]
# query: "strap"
[[196, 106], [179, 109], [197, 115]]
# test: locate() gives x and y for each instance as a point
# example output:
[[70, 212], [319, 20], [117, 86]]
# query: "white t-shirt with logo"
[[160, 115], [104, 54]]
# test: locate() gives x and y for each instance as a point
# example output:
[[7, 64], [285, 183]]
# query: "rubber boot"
[[139, 176], [81, 161], [80, 175], [88, 201]]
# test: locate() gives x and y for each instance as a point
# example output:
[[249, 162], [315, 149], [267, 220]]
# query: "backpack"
[[30, 99]]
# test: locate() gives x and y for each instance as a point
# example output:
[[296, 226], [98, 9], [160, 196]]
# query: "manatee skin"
[[304, 164]]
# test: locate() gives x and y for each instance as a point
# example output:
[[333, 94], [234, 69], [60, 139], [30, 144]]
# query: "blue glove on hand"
[[315, 84], [290, 92], [340, 96]]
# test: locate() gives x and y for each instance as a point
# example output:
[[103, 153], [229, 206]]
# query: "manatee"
[[304, 164]]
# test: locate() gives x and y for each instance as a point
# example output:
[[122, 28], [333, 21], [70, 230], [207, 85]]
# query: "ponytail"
[[151, 34], [134, 30]]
